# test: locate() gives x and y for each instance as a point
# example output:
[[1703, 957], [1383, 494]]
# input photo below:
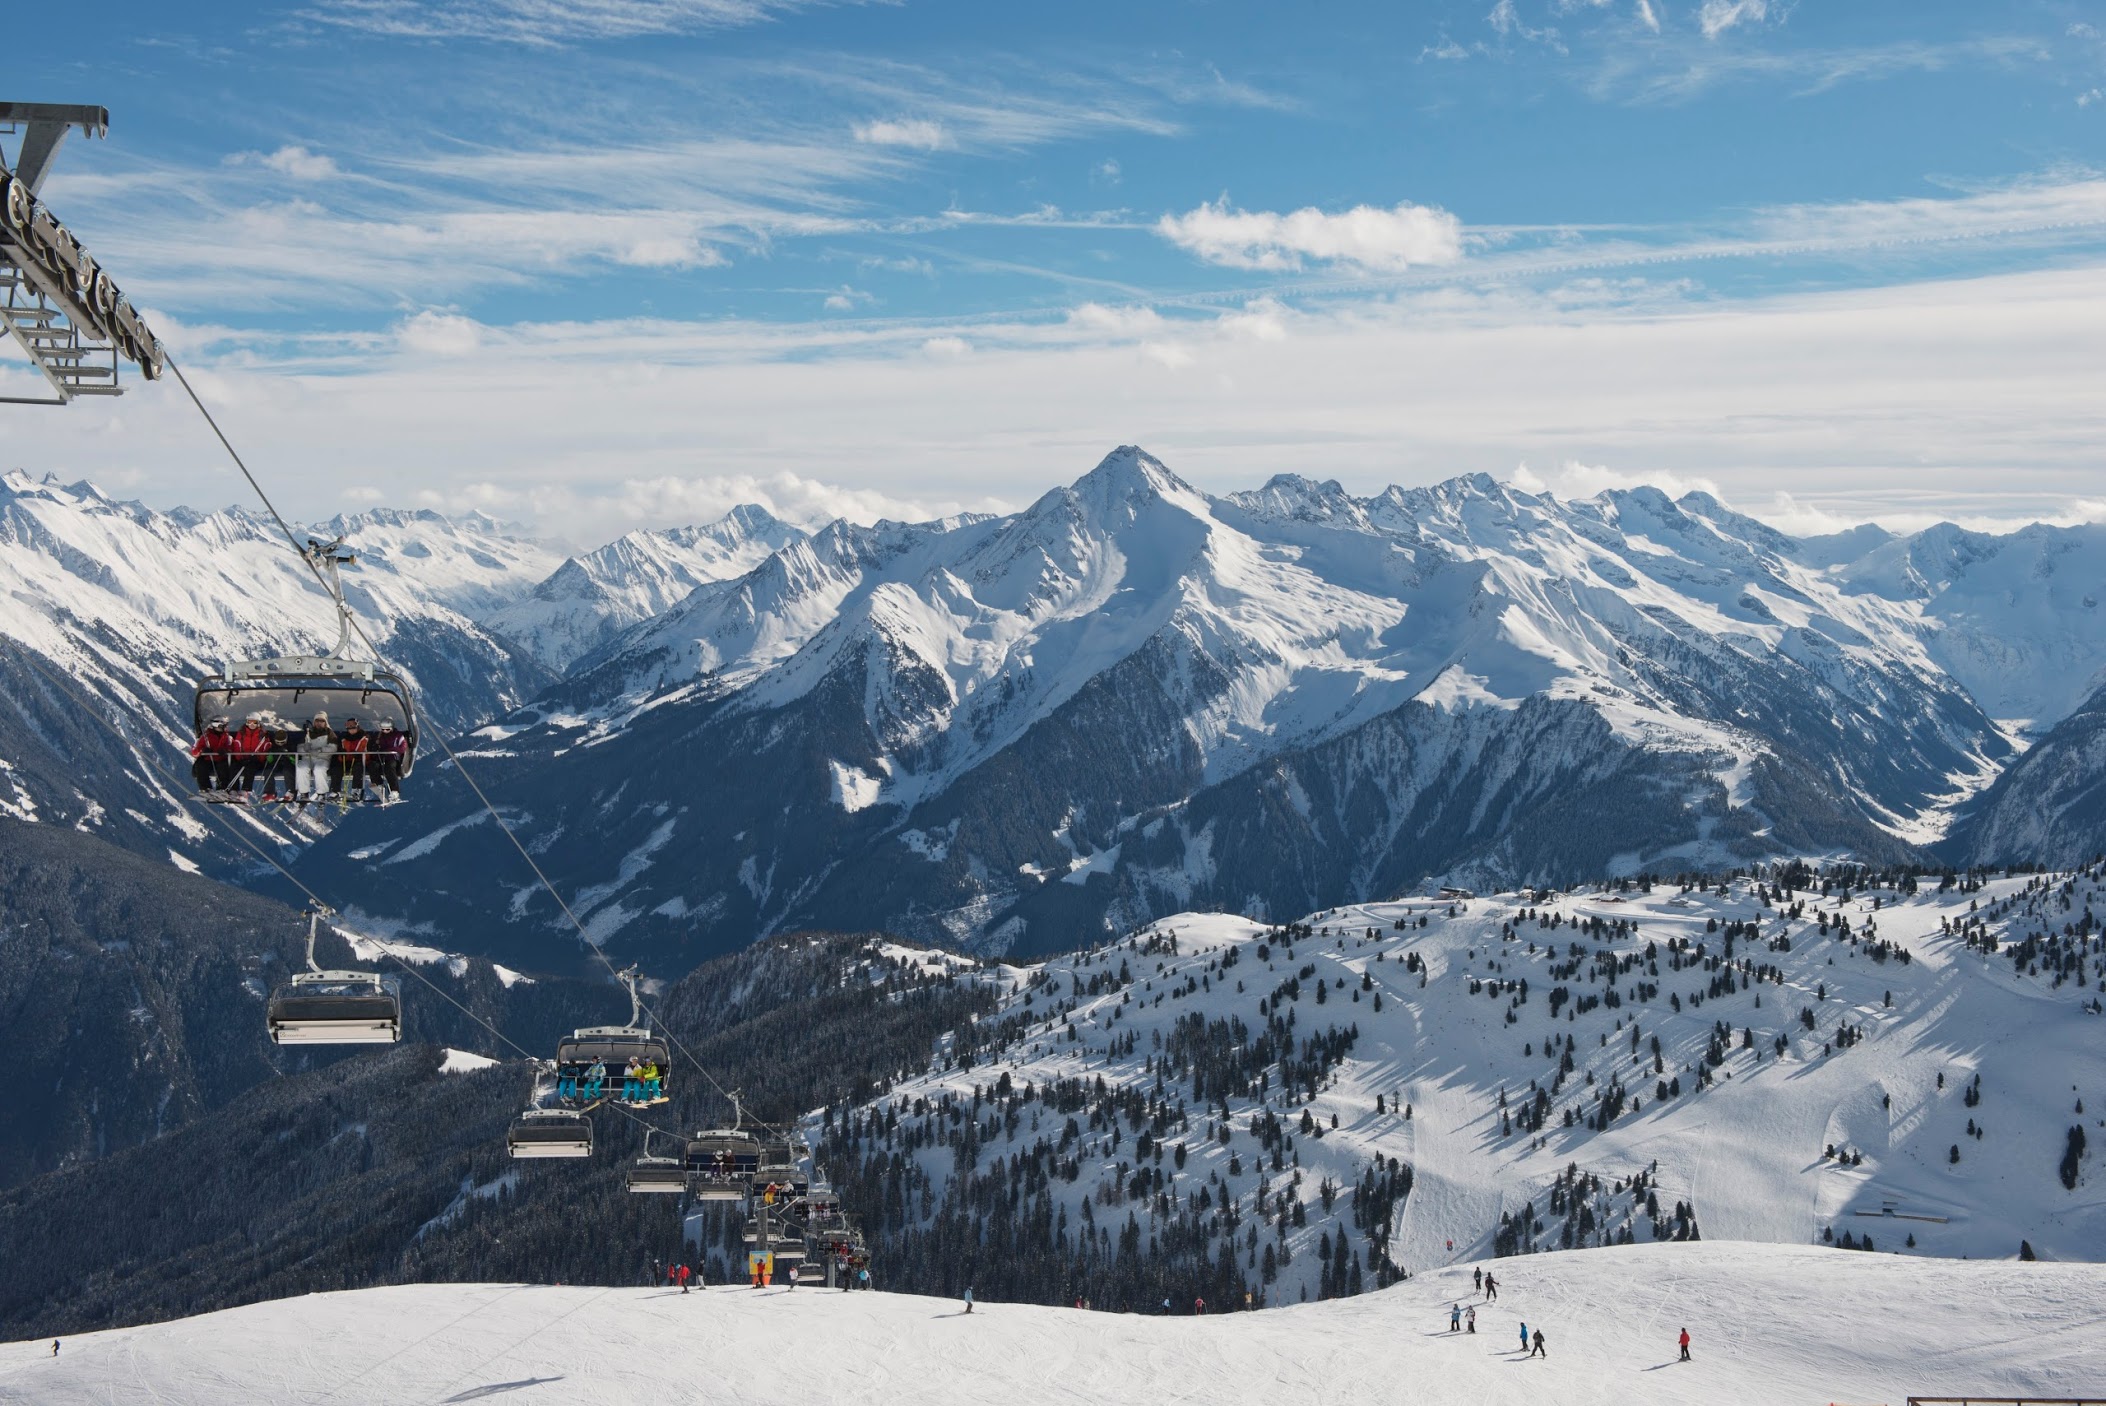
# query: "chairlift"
[[788, 1251], [722, 1162], [550, 1132], [292, 689], [609, 1049], [656, 1176], [318, 1007]]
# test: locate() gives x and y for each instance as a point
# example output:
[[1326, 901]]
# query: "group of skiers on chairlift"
[[265, 760], [642, 1081]]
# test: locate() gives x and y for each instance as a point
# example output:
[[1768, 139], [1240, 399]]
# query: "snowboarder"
[[1539, 1345], [1470, 1321], [1455, 1318], [1477, 1279], [685, 1275], [1685, 1344], [1524, 1337], [968, 1298], [1491, 1288], [54, 1347]]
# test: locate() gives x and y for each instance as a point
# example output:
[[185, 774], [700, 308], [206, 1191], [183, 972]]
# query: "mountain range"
[[1024, 732]]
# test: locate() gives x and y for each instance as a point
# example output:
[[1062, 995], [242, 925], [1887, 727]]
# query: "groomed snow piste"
[[1771, 1324]]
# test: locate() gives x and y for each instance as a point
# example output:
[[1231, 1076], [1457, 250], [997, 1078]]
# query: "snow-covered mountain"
[[1797, 1058], [1022, 732], [131, 605], [1767, 1324], [590, 600]]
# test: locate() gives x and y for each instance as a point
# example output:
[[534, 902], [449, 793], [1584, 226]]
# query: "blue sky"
[[598, 264]]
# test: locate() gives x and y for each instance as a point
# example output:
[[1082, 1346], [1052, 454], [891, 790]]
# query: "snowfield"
[[1772, 1324]]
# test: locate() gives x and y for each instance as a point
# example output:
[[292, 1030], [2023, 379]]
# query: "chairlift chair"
[[656, 1175], [550, 1132], [722, 1162], [293, 688], [789, 1250], [613, 1046], [318, 1007]]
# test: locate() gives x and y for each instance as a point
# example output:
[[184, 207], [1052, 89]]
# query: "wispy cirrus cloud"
[[1715, 17], [294, 161], [543, 23], [1365, 236], [920, 134]]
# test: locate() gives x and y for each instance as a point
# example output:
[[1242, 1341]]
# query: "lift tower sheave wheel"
[[56, 302]]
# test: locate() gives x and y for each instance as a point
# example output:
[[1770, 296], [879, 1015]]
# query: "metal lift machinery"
[[56, 302]]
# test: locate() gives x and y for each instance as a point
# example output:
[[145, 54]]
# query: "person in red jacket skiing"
[[248, 751], [210, 764], [352, 746], [1685, 1344]]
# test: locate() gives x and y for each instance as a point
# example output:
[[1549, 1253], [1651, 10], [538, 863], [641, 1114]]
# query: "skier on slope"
[[1477, 1279], [1539, 1345], [1685, 1344], [1524, 1337], [1470, 1321], [968, 1298], [1454, 1317], [1491, 1288]]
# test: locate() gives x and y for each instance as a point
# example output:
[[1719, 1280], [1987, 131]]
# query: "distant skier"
[[54, 1347], [1539, 1345], [1685, 1344], [968, 1298], [1477, 1280], [1199, 1308], [1491, 1288], [1166, 1305], [1470, 1321], [685, 1275], [1455, 1318], [1524, 1337]]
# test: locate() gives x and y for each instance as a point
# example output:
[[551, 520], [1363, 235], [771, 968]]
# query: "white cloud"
[[1646, 16], [1107, 171], [1174, 355], [920, 134], [1363, 237], [1262, 320], [807, 502], [363, 493], [847, 299], [1447, 49], [946, 348], [295, 161], [1115, 322], [1718, 16], [439, 334], [2087, 98], [1573, 479]]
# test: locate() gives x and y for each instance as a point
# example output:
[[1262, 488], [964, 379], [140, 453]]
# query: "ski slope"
[[1897, 1063], [1772, 1324]]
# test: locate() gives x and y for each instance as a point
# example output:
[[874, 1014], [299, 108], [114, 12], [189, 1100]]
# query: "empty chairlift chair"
[[656, 1176], [550, 1132], [320, 1007]]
